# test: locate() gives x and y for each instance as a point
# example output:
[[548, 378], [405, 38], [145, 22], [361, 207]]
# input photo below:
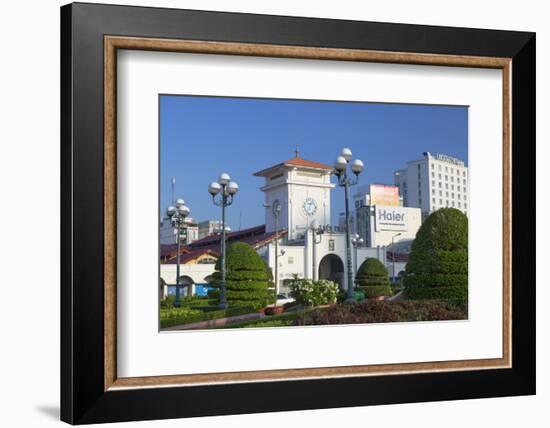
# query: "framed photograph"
[[265, 213]]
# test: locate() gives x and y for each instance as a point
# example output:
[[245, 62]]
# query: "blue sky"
[[200, 137]]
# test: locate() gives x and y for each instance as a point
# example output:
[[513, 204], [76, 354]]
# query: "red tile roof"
[[307, 163], [192, 255], [297, 161], [254, 236]]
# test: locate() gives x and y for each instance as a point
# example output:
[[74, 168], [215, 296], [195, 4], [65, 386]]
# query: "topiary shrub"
[[247, 279], [438, 264], [372, 279]]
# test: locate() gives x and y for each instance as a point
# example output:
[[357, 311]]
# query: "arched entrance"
[[331, 267], [186, 283]]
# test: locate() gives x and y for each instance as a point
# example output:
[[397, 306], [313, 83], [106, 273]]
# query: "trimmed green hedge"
[[377, 291], [437, 280], [438, 264], [458, 295], [176, 316], [248, 279], [372, 278]]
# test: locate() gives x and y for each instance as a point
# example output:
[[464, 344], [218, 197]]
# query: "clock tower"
[[302, 190]]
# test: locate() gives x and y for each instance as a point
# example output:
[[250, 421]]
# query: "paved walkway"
[[397, 297]]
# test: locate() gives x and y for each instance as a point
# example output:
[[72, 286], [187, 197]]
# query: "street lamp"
[[393, 255], [345, 180], [276, 207], [177, 215], [317, 231], [226, 189], [357, 241]]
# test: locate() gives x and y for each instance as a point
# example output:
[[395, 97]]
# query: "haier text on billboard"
[[390, 218]]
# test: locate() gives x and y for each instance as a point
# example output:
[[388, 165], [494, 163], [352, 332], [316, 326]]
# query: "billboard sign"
[[383, 194], [390, 218]]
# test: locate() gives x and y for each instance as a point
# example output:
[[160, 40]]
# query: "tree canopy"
[[372, 278], [247, 278], [438, 263]]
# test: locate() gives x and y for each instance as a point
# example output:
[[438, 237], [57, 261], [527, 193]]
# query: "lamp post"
[[317, 231], [177, 215], [276, 207], [393, 255], [345, 181], [226, 189], [357, 241]]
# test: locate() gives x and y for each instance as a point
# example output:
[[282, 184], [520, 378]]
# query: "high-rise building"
[[433, 182]]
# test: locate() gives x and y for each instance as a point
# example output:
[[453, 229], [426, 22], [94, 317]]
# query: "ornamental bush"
[[438, 264], [314, 293], [382, 312], [247, 279], [372, 278]]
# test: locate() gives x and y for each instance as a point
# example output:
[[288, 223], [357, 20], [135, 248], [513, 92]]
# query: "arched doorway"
[[331, 267], [186, 283]]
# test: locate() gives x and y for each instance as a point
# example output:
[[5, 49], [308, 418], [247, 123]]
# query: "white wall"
[[29, 168], [197, 272]]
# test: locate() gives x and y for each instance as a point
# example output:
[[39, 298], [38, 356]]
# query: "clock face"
[[310, 206]]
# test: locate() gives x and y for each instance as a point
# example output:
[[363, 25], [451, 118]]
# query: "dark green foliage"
[[383, 311], [248, 279], [438, 264], [186, 315], [437, 280], [457, 295], [372, 279]]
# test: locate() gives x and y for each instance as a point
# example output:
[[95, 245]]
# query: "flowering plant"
[[314, 293]]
